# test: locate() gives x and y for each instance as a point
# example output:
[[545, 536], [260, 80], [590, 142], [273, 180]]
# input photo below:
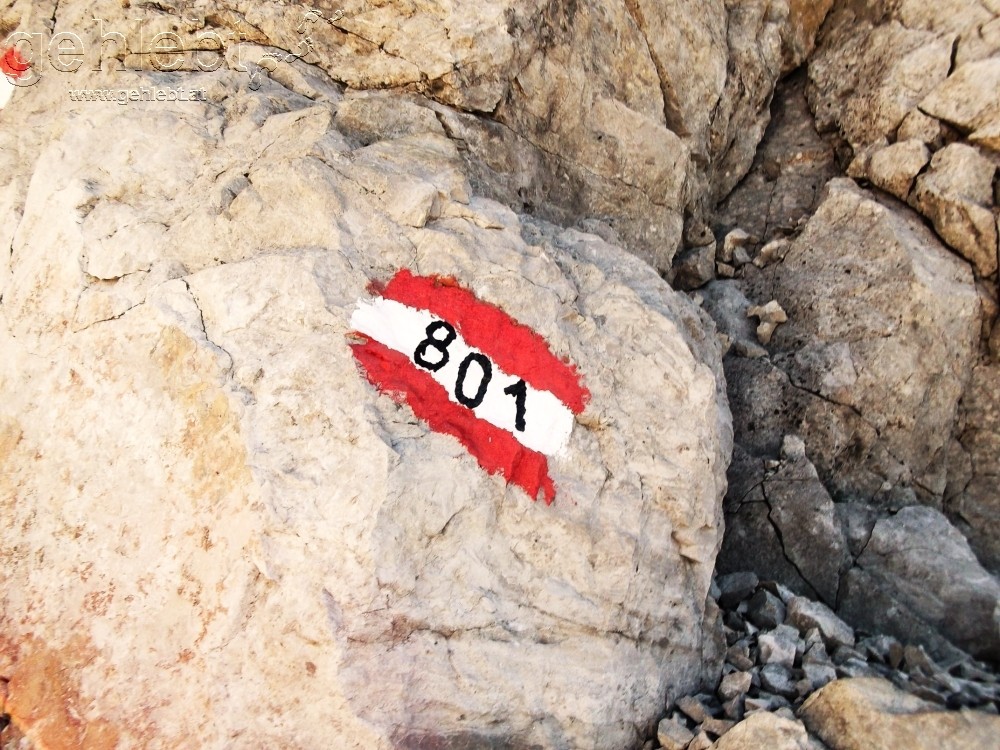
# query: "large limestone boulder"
[[871, 714], [214, 526]]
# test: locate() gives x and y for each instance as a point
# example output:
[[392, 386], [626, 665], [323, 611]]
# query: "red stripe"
[[514, 347], [12, 64], [497, 451]]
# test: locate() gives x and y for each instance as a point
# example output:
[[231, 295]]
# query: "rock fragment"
[[771, 316]]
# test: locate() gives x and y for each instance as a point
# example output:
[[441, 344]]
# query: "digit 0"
[[484, 381], [439, 345]]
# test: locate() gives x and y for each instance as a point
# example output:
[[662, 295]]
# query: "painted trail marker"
[[12, 67], [469, 370]]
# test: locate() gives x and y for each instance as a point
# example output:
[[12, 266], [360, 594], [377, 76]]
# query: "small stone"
[[917, 660], [737, 238], [805, 614], [896, 655], [856, 668], [717, 727], [765, 610], [673, 735], [929, 694], [694, 709], [793, 448], [757, 704], [813, 637], [701, 741], [773, 252], [845, 653], [771, 316], [739, 656], [713, 590], [777, 679], [779, 646], [819, 675], [803, 687], [786, 713], [734, 685], [693, 268], [740, 257], [735, 587], [816, 654], [878, 647], [734, 709], [734, 621], [725, 271], [777, 701]]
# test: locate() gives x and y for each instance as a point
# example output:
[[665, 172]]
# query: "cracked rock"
[[805, 614]]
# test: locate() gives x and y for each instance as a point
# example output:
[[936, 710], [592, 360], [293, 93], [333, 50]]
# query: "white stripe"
[[548, 422]]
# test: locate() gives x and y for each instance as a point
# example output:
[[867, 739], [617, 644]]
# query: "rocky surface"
[[248, 536], [797, 676], [641, 145]]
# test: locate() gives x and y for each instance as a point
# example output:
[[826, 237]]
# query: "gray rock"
[[879, 647], [779, 646], [735, 587], [738, 656], [927, 564], [717, 727], [855, 667], [805, 614], [811, 535], [972, 500], [734, 685], [867, 603], [765, 610], [778, 679], [693, 268], [673, 735], [694, 709], [818, 675], [735, 709], [816, 654], [728, 307]]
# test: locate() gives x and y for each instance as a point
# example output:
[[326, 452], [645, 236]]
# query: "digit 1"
[[520, 392]]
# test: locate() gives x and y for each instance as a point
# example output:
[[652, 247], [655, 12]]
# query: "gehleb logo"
[[12, 67], [469, 370]]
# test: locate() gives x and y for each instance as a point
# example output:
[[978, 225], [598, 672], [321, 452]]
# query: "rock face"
[[212, 524], [882, 333], [920, 75], [638, 144], [975, 466], [928, 566]]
